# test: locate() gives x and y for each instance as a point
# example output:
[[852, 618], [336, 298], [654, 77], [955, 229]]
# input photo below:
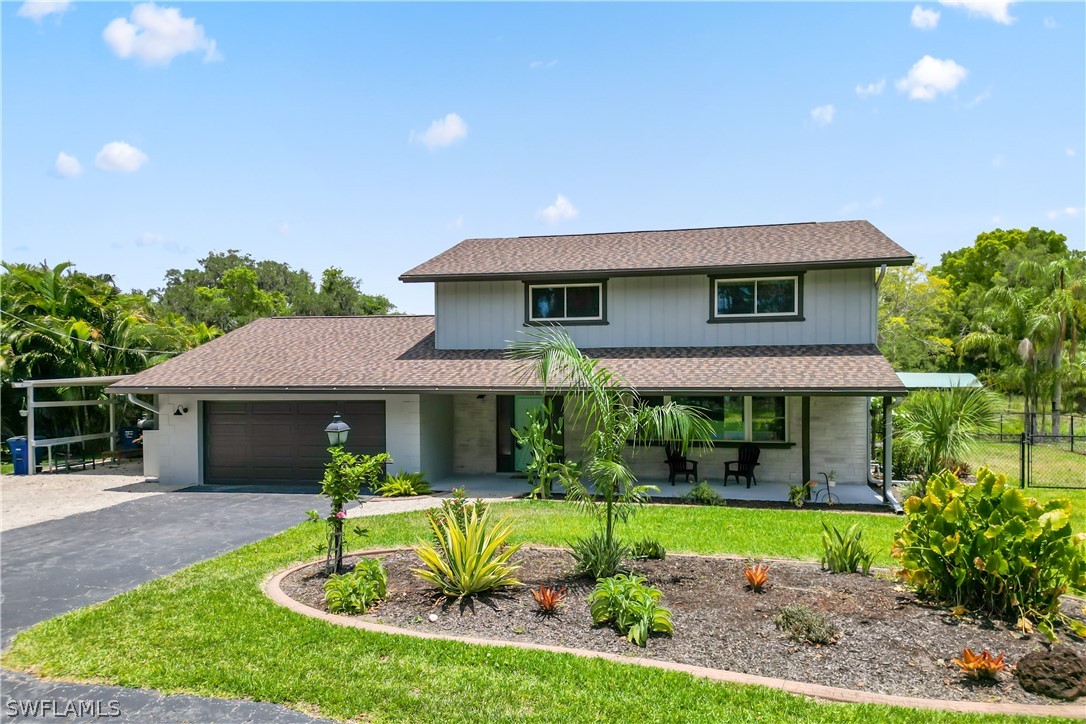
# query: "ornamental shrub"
[[356, 591], [631, 606], [987, 547], [471, 555]]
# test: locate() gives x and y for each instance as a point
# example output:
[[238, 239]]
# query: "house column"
[[887, 447], [31, 452], [805, 438]]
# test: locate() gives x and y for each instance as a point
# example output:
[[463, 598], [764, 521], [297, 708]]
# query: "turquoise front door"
[[522, 405]]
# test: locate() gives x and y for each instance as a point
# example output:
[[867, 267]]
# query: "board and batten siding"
[[839, 307]]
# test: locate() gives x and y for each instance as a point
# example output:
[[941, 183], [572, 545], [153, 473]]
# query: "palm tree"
[[612, 412], [939, 426]]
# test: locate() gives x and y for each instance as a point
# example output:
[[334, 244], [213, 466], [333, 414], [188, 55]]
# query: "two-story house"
[[770, 329]]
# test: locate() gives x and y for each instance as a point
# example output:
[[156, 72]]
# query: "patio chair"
[[677, 464], [748, 460]]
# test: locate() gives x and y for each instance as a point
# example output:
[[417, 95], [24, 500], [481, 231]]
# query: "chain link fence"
[[1039, 461]]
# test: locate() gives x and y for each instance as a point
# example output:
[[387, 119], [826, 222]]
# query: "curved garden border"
[[272, 588]]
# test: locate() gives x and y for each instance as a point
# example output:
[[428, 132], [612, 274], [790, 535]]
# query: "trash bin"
[[127, 437], [19, 453]]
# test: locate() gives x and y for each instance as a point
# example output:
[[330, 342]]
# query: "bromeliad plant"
[[986, 547], [611, 412], [471, 556], [982, 666], [344, 476], [550, 599], [631, 606], [757, 576]]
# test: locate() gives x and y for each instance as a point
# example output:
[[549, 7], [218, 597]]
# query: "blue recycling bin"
[[127, 437], [19, 453]]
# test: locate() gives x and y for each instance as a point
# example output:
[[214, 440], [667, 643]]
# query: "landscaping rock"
[[1058, 673]]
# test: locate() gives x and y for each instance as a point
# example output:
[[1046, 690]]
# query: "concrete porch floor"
[[505, 485]]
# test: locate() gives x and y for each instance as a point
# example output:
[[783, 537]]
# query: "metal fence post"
[[1022, 461]]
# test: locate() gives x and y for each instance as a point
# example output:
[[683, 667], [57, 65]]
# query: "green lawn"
[[209, 630]]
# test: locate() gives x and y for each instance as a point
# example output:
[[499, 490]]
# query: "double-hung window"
[[756, 298], [565, 303]]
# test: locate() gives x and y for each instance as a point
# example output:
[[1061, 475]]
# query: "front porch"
[[507, 485]]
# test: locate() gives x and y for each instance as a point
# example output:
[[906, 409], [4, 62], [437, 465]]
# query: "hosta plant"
[[989, 548], [631, 606], [356, 591], [983, 666], [549, 598], [843, 552], [757, 576], [471, 560]]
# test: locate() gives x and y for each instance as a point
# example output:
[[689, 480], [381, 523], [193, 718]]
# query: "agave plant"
[[470, 559]]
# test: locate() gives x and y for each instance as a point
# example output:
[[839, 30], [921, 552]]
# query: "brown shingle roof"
[[800, 246], [397, 354]]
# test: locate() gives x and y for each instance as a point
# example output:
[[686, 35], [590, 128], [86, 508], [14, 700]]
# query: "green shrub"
[[647, 548], [804, 624], [703, 494], [470, 556], [797, 494], [356, 591], [843, 553], [597, 556], [986, 547], [631, 606], [402, 484]]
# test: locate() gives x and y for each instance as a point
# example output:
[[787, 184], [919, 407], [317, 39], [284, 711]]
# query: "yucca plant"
[[550, 599], [647, 548], [470, 559], [597, 556], [626, 602], [757, 576], [983, 666], [843, 552]]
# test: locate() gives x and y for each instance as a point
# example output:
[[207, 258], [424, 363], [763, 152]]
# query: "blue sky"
[[372, 137]]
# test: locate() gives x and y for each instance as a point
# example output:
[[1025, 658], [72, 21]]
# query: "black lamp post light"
[[337, 431]]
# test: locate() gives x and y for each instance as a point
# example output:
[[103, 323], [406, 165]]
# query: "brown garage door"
[[282, 442]]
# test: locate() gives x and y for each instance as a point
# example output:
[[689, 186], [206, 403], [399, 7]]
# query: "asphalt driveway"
[[56, 566]]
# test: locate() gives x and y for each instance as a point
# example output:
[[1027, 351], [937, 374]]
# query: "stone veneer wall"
[[475, 444]]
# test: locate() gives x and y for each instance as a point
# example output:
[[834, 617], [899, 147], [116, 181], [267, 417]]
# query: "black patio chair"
[[744, 466], [678, 464]]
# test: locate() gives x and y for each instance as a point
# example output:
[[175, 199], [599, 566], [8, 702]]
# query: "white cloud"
[[931, 76], [997, 10], [1067, 211], [980, 98], [871, 89], [924, 19], [823, 115], [38, 9], [154, 240], [1050, 23], [119, 156], [67, 166], [560, 210], [1069, 152], [156, 35], [443, 132], [543, 64]]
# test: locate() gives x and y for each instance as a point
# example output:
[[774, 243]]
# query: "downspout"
[[140, 403]]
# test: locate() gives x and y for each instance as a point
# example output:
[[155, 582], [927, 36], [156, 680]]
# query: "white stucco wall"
[[181, 455]]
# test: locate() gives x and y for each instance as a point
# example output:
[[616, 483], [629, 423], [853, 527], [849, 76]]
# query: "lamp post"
[[337, 431], [337, 436]]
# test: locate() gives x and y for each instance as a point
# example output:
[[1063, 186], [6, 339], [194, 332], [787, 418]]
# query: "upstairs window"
[[756, 298], [565, 302]]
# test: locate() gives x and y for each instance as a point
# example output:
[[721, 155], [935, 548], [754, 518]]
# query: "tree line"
[[1010, 307], [57, 321]]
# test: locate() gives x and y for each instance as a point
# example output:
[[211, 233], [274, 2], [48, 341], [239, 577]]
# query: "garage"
[[282, 443]]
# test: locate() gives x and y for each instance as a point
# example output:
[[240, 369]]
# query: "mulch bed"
[[890, 642]]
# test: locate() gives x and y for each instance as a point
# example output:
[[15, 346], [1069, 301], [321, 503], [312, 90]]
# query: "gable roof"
[[749, 248], [397, 354]]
